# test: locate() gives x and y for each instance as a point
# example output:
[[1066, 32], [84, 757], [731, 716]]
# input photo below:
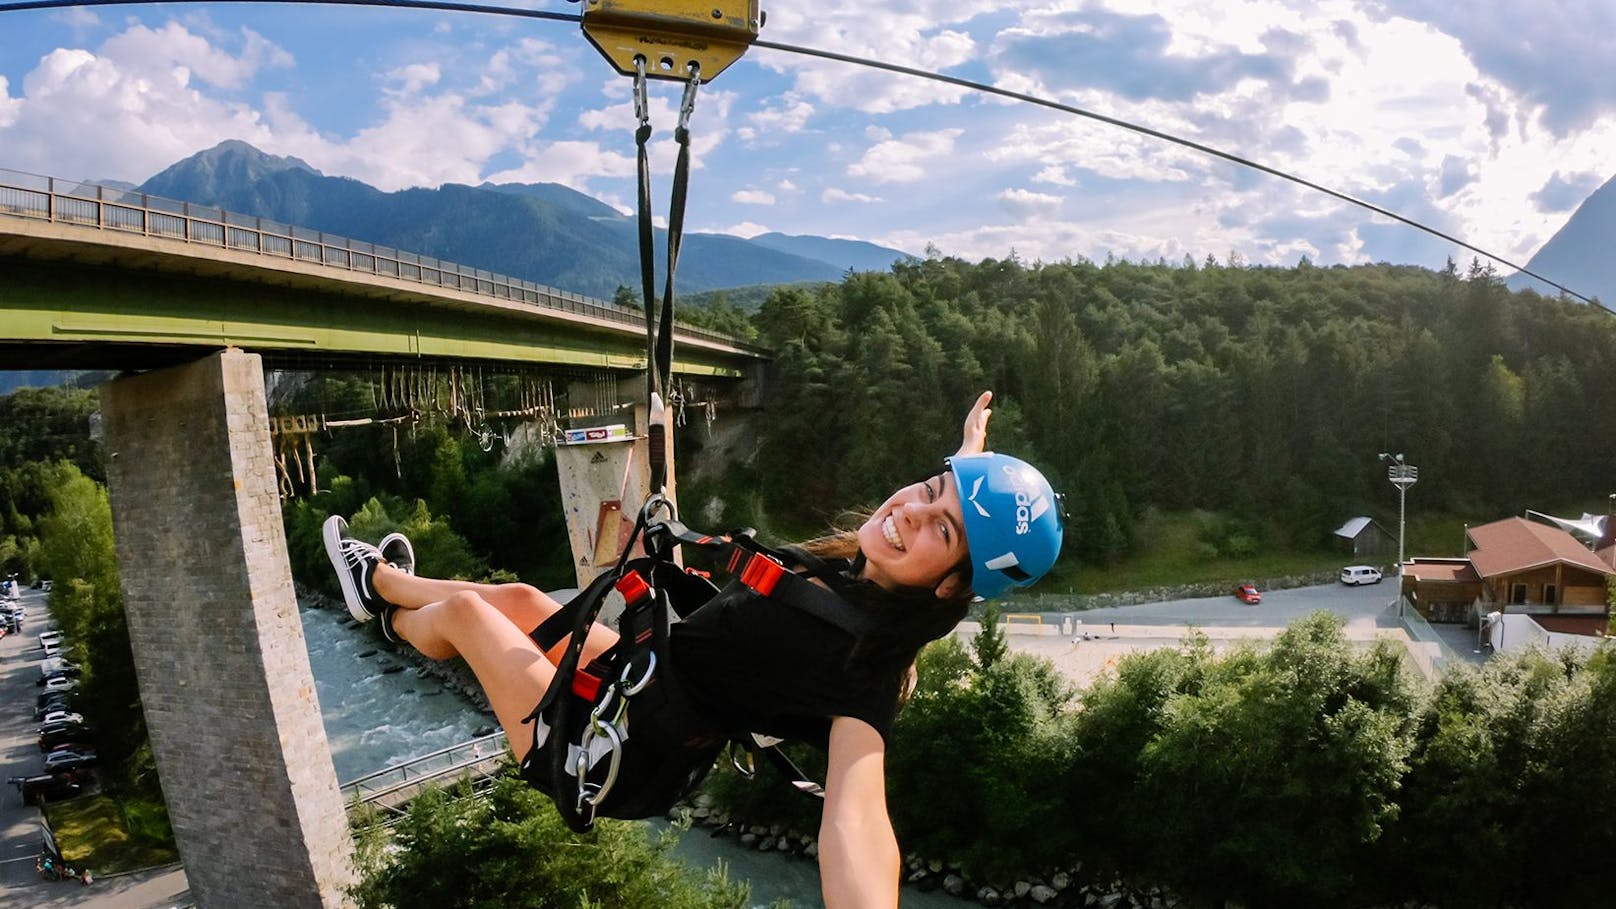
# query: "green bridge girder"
[[72, 297]]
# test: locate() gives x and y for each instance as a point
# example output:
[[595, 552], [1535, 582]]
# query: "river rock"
[[917, 875], [1042, 894], [935, 866], [766, 844], [749, 839], [954, 884], [811, 851], [1109, 900], [1060, 881], [988, 896], [1021, 889]]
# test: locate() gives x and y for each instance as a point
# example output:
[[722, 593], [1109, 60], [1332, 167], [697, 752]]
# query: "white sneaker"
[[398, 552], [355, 561]]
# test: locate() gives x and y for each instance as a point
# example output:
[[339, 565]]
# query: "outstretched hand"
[[975, 439]]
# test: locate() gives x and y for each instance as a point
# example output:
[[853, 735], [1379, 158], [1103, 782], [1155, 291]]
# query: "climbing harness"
[[620, 737]]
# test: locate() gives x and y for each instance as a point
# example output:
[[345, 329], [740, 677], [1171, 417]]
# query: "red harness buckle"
[[761, 574], [633, 588], [586, 685]]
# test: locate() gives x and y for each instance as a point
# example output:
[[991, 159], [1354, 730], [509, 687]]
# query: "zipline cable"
[[871, 63]]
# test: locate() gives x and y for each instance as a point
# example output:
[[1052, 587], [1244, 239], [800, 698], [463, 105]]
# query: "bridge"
[[98, 276], [203, 301]]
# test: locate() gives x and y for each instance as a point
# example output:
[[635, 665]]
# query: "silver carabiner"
[[687, 105], [612, 766], [642, 104], [645, 679], [748, 770]]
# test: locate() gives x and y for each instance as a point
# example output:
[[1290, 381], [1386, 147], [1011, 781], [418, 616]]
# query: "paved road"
[[1356, 605], [20, 824]]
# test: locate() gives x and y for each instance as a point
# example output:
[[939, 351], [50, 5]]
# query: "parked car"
[[49, 787], [1354, 575], [52, 702], [56, 668], [70, 758], [1248, 594], [60, 683], [63, 716], [54, 737], [45, 585]]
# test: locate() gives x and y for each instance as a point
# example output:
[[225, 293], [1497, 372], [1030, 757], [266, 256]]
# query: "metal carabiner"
[[746, 771], [612, 766], [642, 104], [638, 686], [687, 105]]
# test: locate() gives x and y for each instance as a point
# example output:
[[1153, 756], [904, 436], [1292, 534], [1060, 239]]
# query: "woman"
[[985, 523]]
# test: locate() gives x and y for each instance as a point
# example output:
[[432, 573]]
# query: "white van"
[[1353, 575]]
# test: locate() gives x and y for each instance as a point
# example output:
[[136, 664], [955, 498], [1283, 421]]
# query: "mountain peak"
[[1577, 254], [235, 161]]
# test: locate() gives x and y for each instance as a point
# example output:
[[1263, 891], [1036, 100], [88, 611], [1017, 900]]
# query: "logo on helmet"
[[1031, 503], [976, 488]]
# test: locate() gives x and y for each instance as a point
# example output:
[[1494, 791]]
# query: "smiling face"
[[916, 538]]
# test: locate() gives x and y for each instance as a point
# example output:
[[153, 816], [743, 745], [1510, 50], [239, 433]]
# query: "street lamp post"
[[1401, 475]]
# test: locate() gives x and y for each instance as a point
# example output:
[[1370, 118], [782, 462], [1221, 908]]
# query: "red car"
[[1247, 593]]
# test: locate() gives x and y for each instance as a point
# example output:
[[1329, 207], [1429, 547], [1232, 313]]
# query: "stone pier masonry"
[[219, 649]]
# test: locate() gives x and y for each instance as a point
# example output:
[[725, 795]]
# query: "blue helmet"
[[1012, 520]]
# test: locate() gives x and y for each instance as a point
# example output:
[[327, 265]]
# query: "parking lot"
[[20, 824]]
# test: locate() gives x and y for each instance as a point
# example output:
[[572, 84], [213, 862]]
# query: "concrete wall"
[[219, 649]]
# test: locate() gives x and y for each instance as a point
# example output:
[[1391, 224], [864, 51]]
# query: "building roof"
[[1353, 527], [1456, 571], [1514, 545]]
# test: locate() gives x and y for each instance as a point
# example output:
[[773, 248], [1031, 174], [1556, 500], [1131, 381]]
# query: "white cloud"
[[786, 186], [752, 197], [788, 117], [1027, 205], [919, 34], [147, 52], [9, 107], [412, 78], [903, 160], [572, 164], [1055, 174], [837, 195], [747, 229]]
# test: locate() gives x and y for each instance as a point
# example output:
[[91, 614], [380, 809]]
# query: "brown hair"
[[904, 620]]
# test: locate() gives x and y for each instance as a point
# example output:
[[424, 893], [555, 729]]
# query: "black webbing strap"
[[642, 135], [764, 572], [659, 326]]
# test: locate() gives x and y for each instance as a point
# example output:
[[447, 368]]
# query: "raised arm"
[[975, 437], [859, 863]]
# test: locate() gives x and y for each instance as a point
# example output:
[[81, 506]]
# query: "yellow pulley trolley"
[[677, 39]]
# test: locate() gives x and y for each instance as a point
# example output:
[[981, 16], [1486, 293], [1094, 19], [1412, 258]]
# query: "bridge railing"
[[390, 789], [101, 207]]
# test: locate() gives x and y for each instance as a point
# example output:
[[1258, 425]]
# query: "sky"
[[1490, 120]]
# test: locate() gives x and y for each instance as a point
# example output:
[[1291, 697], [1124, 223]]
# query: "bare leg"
[[512, 671], [525, 606]]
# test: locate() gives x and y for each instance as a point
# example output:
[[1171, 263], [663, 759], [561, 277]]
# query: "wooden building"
[[1513, 565], [1365, 539]]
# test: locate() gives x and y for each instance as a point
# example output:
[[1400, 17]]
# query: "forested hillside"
[[1264, 393]]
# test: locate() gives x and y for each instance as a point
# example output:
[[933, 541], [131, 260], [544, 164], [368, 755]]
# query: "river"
[[374, 719]]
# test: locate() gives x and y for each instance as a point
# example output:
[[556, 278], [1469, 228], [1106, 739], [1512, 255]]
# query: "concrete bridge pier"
[[219, 649]]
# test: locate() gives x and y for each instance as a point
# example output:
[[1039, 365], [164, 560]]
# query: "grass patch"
[[92, 833], [1172, 551]]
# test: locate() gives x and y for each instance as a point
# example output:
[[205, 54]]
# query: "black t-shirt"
[[755, 664]]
